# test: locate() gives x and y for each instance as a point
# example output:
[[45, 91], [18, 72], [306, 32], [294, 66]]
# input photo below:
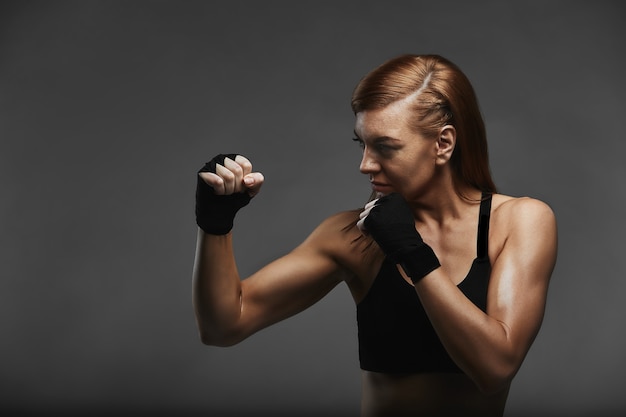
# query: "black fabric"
[[395, 334], [215, 213], [392, 225], [420, 262]]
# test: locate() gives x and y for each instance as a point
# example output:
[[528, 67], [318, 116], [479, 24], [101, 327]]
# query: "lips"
[[380, 187]]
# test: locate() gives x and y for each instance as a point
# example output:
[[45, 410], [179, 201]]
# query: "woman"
[[449, 278]]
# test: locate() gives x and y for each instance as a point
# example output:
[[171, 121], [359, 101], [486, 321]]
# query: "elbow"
[[493, 381], [491, 386], [220, 333], [211, 337], [212, 340]]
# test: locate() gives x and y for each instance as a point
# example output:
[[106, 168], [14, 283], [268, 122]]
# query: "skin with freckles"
[[410, 162], [489, 347]]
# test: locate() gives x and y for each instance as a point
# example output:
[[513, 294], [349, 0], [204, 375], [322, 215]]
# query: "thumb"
[[253, 183]]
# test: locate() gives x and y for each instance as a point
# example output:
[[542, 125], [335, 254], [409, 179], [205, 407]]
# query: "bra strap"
[[483, 226]]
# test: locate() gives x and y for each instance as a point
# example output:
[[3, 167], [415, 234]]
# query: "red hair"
[[444, 96]]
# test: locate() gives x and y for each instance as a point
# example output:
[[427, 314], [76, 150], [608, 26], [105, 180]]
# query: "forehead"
[[389, 121]]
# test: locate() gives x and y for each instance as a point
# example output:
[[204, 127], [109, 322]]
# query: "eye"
[[359, 142], [385, 149]]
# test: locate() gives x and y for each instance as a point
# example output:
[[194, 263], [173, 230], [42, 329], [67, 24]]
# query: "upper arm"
[[293, 282], [521, 272]]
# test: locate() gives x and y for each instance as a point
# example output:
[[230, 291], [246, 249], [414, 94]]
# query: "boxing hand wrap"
[[390, 222], [215, 213]]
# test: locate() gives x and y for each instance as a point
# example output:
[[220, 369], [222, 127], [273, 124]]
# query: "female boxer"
[[449, 277]]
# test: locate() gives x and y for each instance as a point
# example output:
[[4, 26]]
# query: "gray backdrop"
[[108, 108]]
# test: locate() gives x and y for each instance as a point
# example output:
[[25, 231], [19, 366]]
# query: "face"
[[396, 158]]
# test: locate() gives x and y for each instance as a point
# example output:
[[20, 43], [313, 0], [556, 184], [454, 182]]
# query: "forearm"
[[216, 289], [479, 344]]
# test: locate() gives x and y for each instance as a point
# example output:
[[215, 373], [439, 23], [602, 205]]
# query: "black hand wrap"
[[391, 224], [215, 213]]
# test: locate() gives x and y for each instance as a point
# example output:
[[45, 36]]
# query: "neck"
[[442, 204]]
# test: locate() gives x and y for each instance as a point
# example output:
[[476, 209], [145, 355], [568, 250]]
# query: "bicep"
[[287, 286], [521, 274]]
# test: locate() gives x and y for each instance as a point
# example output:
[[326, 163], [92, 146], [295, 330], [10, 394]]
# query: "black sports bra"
[[395, 334]]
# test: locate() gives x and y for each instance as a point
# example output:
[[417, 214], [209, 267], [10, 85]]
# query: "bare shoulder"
[[336, 233], [524, 212], [523, 223], [337, 237], [336, 223]]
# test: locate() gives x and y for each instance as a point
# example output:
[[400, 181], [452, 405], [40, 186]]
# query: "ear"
[[445, 144]]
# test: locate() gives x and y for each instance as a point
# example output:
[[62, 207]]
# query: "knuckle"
[[228, 175], [246, 165], [233, 167], [243, 161], [236, 169]]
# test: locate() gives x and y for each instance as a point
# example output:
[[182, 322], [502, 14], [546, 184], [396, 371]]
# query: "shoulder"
[[342, 218], [337, 237], [521, 212], [336, 231], [524, 223]]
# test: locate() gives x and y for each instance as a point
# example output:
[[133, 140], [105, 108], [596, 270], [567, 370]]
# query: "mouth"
[[380, 187]]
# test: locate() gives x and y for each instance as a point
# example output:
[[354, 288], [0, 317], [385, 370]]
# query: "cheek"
[[403, 177], [413, 174]]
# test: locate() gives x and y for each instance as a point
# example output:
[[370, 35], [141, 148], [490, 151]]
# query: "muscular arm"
[[229, 309], [491, 347]]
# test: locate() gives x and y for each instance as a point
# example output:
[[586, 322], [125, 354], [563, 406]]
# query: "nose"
[[369, 164]]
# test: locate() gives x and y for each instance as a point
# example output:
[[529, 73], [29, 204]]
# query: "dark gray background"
[[108, 108]]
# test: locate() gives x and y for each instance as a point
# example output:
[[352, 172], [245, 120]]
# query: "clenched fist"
[[225, 184]]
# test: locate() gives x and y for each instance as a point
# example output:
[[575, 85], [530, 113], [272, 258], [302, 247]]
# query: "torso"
[[389, 394], [432, 394], [456, 253]]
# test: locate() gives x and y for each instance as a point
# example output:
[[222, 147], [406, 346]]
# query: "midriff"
[[427, 394]]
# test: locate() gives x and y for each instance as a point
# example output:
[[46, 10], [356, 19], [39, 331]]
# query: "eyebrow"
[[379, 139]]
